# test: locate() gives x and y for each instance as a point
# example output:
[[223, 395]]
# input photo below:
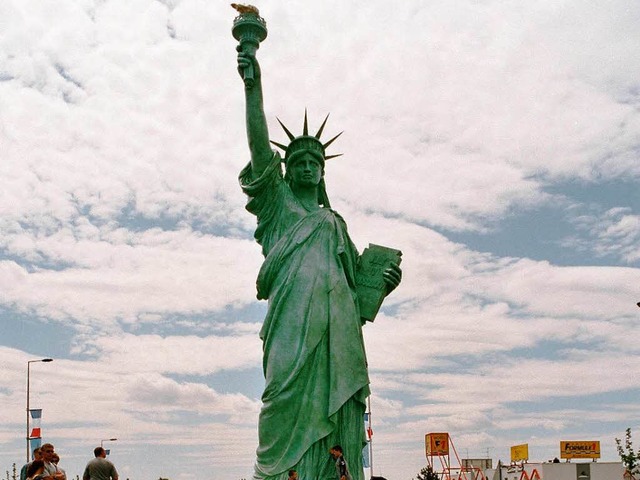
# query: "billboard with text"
[[436, 444], [520, 453], [580, 449]]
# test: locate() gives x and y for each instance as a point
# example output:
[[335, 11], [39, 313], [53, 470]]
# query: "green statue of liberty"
[[314, 363]]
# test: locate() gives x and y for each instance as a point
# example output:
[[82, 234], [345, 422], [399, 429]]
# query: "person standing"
[[35, 471], [55, 459], [341, 465], [100, 468], [36, 456], [51, 470]]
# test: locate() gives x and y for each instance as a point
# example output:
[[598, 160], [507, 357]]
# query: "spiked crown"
[[305, 141]]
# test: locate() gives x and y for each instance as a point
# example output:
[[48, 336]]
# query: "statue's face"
[[306, 170]]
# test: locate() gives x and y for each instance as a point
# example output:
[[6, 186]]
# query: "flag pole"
[[370, 439]]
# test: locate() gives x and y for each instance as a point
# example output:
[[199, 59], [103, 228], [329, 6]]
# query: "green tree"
[[427, 473], [630, 459]]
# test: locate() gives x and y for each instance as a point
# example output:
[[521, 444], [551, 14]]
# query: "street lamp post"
[[46, 360], [107, 440]]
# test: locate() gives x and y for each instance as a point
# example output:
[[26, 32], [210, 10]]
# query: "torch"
[[249, 28]]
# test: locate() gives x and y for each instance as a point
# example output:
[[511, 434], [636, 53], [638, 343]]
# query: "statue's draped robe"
[[314, 359]]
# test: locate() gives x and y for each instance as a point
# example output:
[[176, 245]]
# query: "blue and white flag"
[[367, 425], [366, 459], [33, 444], [36, 417]]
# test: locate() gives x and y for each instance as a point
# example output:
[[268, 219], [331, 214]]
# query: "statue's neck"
[[307, 196]]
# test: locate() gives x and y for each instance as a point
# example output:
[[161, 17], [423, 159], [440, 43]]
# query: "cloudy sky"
[[495, 142]]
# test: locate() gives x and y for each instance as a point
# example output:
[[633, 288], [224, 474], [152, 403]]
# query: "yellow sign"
[[579, 449], [520, 453], [437, 444]]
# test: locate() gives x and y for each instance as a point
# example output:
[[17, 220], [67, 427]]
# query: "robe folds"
[[314, 362]]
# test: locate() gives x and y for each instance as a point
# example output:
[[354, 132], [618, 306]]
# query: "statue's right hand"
[[247, 59]]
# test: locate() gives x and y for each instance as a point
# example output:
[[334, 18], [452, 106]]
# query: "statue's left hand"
[[392, 277]]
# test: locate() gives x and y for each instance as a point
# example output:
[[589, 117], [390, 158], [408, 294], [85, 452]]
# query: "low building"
[[558, 471]]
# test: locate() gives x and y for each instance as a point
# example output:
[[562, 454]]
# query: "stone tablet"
[[370, 285]]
